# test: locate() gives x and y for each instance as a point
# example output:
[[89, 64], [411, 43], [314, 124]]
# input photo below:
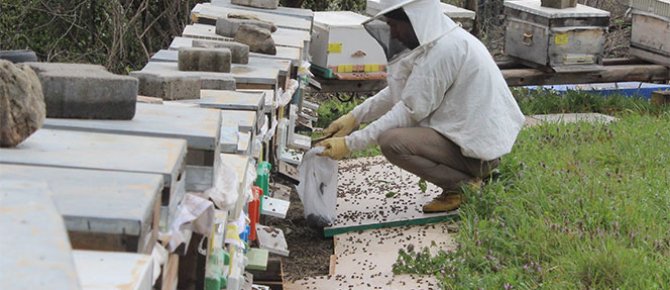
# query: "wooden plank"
[[121, 214], [373, 193], [36, 253], [206, 13], [615, 73], [111, 271]]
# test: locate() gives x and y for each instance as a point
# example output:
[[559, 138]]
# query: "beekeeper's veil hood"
[[427, 19]]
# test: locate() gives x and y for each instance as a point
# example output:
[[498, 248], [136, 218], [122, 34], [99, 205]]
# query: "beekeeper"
[[446, 115]]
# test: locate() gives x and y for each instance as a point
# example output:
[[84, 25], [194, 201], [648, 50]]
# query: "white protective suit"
[[450, 83]]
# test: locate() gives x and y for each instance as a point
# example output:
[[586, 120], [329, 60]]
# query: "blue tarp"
[[637, 89]]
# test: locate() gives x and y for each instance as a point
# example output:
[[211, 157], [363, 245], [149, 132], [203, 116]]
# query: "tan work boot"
[[450, 200], [446, 201]]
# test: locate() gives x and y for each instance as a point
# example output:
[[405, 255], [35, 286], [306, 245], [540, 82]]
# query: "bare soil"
[[309, 250]]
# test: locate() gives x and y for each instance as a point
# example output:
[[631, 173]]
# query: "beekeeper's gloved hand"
[[336, 148], [342, 126]]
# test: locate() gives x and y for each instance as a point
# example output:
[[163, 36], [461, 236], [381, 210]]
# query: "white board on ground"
[[113, 270], [272, 239], [374, 252], [275, 207], [372, 191], [36, 252]]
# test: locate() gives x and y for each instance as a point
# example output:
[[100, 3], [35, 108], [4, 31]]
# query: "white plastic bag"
[[318, 188]]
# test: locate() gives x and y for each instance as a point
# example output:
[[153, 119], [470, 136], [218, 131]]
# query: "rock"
[[86, 91], [273, 27], [22, 108], [265, 4], [204, 59], [208, 80], [168, 87], [228, 27], [239, 51], [258, 39]]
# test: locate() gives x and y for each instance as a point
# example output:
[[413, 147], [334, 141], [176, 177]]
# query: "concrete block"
[[239, 51], [228, 27], [204, 59], [86, 91], [559, 4], [258, 39], [265, 4], [168, 87]]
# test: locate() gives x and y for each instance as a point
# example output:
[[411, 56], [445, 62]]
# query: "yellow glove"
[[342, 126], [336, 148]]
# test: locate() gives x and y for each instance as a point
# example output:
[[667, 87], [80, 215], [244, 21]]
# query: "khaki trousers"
[[433, 157]]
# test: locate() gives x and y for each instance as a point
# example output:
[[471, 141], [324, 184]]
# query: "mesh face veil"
[[381, 32]]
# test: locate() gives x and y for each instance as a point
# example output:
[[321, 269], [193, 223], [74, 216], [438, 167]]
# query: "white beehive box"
[[341, 44], [569, 39], [650, 35], [464, 17]]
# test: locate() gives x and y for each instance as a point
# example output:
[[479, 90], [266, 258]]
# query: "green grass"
[[578, 206]]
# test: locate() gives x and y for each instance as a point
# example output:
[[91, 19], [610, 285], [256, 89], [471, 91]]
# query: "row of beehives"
[[567, 39], [155, 185]]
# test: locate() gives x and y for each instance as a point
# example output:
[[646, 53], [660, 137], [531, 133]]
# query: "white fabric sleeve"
[[374, 107], [399, 116]]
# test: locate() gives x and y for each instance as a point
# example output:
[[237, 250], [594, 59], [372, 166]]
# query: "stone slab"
[[167, 87], [86, 91], [206, 12], [373, 193], [559, 4], [123, 207], [205, 59], [198, 126], [113, 271], [291, 54], [574, 118], [36, 252]]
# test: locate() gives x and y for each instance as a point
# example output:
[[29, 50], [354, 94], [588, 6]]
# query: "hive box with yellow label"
[[570, 39], [340, 44]]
